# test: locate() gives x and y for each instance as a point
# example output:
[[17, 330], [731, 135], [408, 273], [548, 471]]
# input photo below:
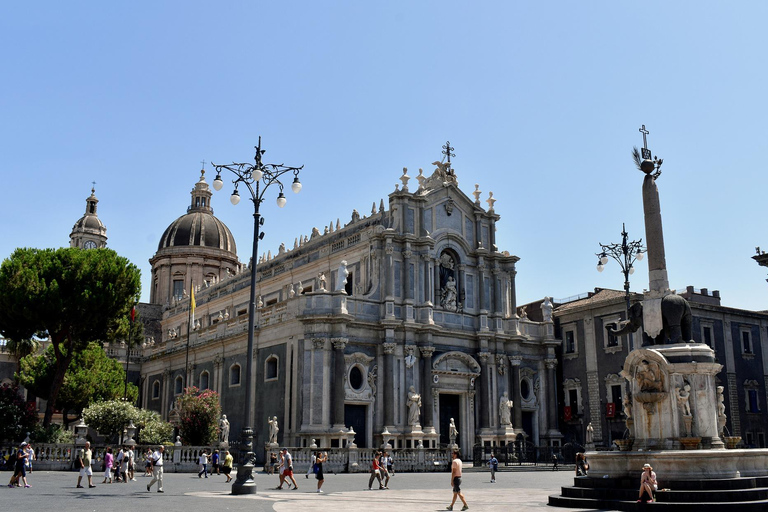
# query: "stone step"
[[672, 496], [632, 505], [677, 485]]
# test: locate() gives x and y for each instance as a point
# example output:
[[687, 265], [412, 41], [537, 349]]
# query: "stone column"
[[339, 377], [426, 391], [481, 285], [389, 384], [389, 285], [484, 389], [407, 284], [517, 398], [550, 365]]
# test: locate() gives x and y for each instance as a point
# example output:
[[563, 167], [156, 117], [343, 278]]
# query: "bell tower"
[[89, 232]]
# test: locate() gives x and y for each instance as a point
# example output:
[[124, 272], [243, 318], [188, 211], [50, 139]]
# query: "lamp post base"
[[244, 483]]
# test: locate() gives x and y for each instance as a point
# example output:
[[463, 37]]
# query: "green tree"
[[20, 349], [16, 416], [110, 417], [74, 296], [199, 415], [92, 376], [152, 428]]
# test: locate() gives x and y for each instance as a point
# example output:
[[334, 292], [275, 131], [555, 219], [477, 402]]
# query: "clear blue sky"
[[542, 101]]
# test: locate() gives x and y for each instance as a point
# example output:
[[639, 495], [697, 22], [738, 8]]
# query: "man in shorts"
[[456, 481], [85, 466], [286, 467]]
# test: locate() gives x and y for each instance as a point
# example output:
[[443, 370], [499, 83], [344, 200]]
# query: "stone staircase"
[[720, 495]]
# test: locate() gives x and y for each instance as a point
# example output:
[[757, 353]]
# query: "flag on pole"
[[133, 313], [192, 306]]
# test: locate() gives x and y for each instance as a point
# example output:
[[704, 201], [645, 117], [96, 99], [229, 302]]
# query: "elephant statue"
[[676, 315]]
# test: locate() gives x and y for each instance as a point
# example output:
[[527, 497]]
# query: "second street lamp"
[[256, 178], [625, 254]]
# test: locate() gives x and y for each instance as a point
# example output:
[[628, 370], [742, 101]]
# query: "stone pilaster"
[[517, 398], [426, 392], [485, 388], [339, 378], [389, 383]]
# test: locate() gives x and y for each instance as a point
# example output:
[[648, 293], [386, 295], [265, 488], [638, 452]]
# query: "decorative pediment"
[[456, 363]]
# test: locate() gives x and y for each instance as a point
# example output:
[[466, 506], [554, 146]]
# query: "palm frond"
[[636, 157]]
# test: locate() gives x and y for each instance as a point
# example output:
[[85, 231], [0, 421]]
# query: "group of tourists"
[[381, 467], [217, 465], [120, 467], [22, 464]]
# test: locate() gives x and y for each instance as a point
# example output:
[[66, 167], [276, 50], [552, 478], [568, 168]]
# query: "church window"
[[178, 385], [525, 389], [751, 396], [570, 342], [234, 375], [178, 288], [356, 378], [746, 341], [203, 202], [270, 368], [204, 378], [761, 439], [306, 289], [155, 390], [706, 334], [573, 400]]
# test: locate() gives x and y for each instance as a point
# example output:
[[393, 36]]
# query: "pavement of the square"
[[55, 491]]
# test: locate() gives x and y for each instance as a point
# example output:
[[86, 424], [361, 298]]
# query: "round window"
[[525, 389], [356, 378]]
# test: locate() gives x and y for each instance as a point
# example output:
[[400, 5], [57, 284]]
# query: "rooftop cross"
[[447, 152], [203, 162], [646, 151], [93, 187]]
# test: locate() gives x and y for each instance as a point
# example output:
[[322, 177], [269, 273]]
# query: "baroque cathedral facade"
[[385, 329]]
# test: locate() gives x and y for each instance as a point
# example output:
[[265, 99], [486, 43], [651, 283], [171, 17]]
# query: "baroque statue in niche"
[[448, 290], [505, 405], [414, 406]]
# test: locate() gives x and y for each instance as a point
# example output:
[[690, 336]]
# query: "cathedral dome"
[[198, 227]]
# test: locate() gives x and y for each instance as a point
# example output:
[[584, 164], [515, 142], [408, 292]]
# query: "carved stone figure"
[[321, 278], [649, 377], [224, 429], [341, 278], [721, 417], [449, 295], [626, 404], [273, 430], [546, 309], [590, 433], [414, 406], [452, 432], [683, 395], [505, 405]]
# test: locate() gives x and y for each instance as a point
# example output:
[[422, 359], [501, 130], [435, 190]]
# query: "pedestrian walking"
[[384, 470], [456, 467], [109, 461], [131, 464], [493, 463], [148, 462], [319, 459], [20, 467], [203, 461], [215, 462], [375, 471], [157, 469], [287, 470], [118, 463], [228, 462], [85, 458], [125, 464], [554, 462], [30, 457]]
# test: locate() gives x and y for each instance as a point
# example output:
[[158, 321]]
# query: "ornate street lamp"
[[256, 178], [625, 253]]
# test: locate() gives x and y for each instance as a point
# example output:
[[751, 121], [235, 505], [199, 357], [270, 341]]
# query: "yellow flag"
[[192, 305]]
